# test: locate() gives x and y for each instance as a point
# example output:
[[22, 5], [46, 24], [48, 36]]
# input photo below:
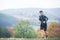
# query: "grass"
[[29, 38], [52, 39]]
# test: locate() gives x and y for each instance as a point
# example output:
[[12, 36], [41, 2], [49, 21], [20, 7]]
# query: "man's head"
[[41, 13]]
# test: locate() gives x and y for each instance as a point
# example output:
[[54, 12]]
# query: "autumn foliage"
[[53, 30]]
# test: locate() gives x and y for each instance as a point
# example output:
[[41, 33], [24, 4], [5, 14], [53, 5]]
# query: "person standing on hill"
[[43, 26]]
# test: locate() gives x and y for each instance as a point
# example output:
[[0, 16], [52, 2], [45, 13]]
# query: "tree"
[[53, 30], [24, 30], [4, 33]]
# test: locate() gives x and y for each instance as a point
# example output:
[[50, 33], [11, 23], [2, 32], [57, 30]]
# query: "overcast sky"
[[14, 4]]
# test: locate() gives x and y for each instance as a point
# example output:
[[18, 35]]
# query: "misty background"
[[10, 17]]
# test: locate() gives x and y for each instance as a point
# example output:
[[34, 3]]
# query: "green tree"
[[24, 30], [4, 33]]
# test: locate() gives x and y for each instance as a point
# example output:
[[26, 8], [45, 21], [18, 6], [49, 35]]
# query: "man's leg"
[[42, 33], [42, 30], [45, 31]]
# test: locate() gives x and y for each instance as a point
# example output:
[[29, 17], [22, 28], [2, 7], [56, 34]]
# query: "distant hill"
[[6, 20], [33, 12]]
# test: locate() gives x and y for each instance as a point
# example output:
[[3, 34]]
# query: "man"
[[43, 19]]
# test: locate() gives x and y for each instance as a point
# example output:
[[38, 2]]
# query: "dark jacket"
[[43, 19]]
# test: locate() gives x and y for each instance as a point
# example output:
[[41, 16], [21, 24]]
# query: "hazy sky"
[[9, 4]]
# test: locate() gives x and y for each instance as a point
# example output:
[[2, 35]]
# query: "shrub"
[[24, 30], [4, 33]]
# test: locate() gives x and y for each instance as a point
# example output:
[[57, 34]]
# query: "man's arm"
[[46, 18], [39, 18]]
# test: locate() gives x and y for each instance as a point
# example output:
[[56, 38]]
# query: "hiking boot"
[[46, 36]]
